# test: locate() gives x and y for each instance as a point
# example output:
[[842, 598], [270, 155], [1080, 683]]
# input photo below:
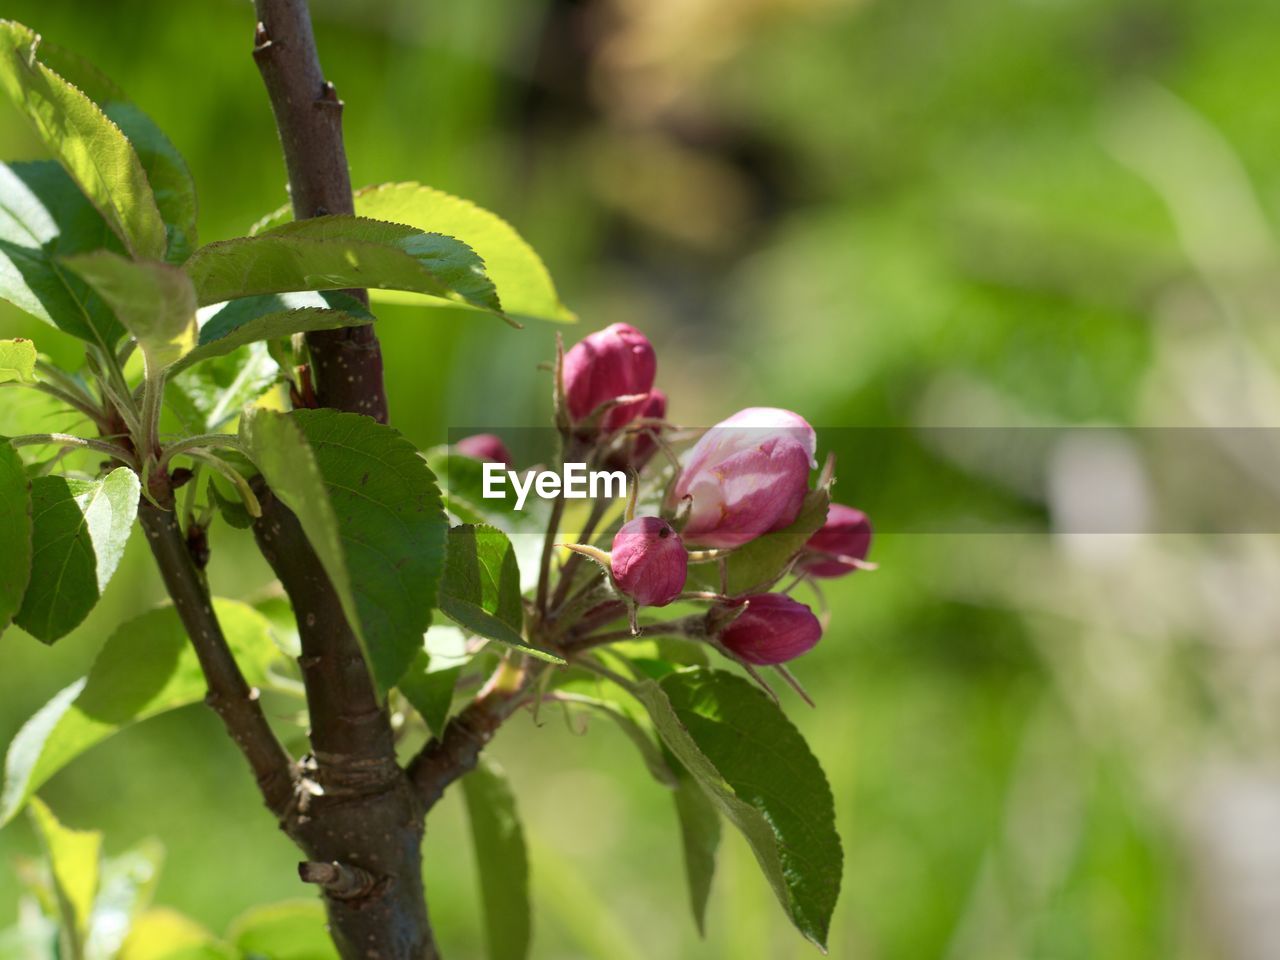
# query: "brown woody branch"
[[229, 694], [346, 364]]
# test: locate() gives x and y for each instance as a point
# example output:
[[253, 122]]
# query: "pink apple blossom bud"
[[836, 549], [773, 629], [649, 562], [485, 447], [617, 361], [747, 476]]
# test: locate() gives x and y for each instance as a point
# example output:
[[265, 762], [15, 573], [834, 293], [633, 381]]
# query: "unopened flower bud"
[[747, 476], [773, 629], [841, 544], [485, 447], [617, 361], [649, 562]]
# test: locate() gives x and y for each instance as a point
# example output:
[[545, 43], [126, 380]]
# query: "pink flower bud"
[[649, 562], [773, 629], [617, 361], [484, 447], [747, 476], [844, 538]]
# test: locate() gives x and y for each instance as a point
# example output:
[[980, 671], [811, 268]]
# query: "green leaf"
[[171, 182], [758, 771], [147, 667], [74, 859], [336, 253], [228, 326], [155, 302], [370, 508], [293, 930], [80, 531], [588, 692], [167, 172], [481, 586], [44, 216], [92, 149], [501, 860], [15, 533], [124, 890], [519, 274], [700, 840], [17, 361]]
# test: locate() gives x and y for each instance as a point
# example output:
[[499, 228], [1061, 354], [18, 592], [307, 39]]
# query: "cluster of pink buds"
[[744, 479]]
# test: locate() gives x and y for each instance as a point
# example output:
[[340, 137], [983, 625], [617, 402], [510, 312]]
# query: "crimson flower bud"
[[773, 629], [649, 562], [485, 447], [747, 476], [617, 361], [845, 537]]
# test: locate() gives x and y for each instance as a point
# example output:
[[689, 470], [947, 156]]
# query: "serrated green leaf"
[[480, 590], [518, 273], [293, 930], [80, 528], [171, 182], [154, 301], [17, 361], [501, 860], [15, 533], [758, 771], [92, 149], [370, 508], [699, 839], [74, 860], [147, 667], [341, 252], [44, 216]]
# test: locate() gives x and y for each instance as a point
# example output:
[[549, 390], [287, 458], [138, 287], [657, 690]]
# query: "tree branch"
[[346, 363], [229, 694]]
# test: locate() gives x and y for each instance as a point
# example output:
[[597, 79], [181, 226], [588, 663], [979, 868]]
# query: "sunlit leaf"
[[521, 278], [80, 528], [17, 361], [92, 149], [337, 253], [164, 934], [147, 667], [124, 890], [74, 860]]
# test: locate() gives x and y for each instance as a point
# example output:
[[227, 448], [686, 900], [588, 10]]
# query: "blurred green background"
[[879, 214]]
